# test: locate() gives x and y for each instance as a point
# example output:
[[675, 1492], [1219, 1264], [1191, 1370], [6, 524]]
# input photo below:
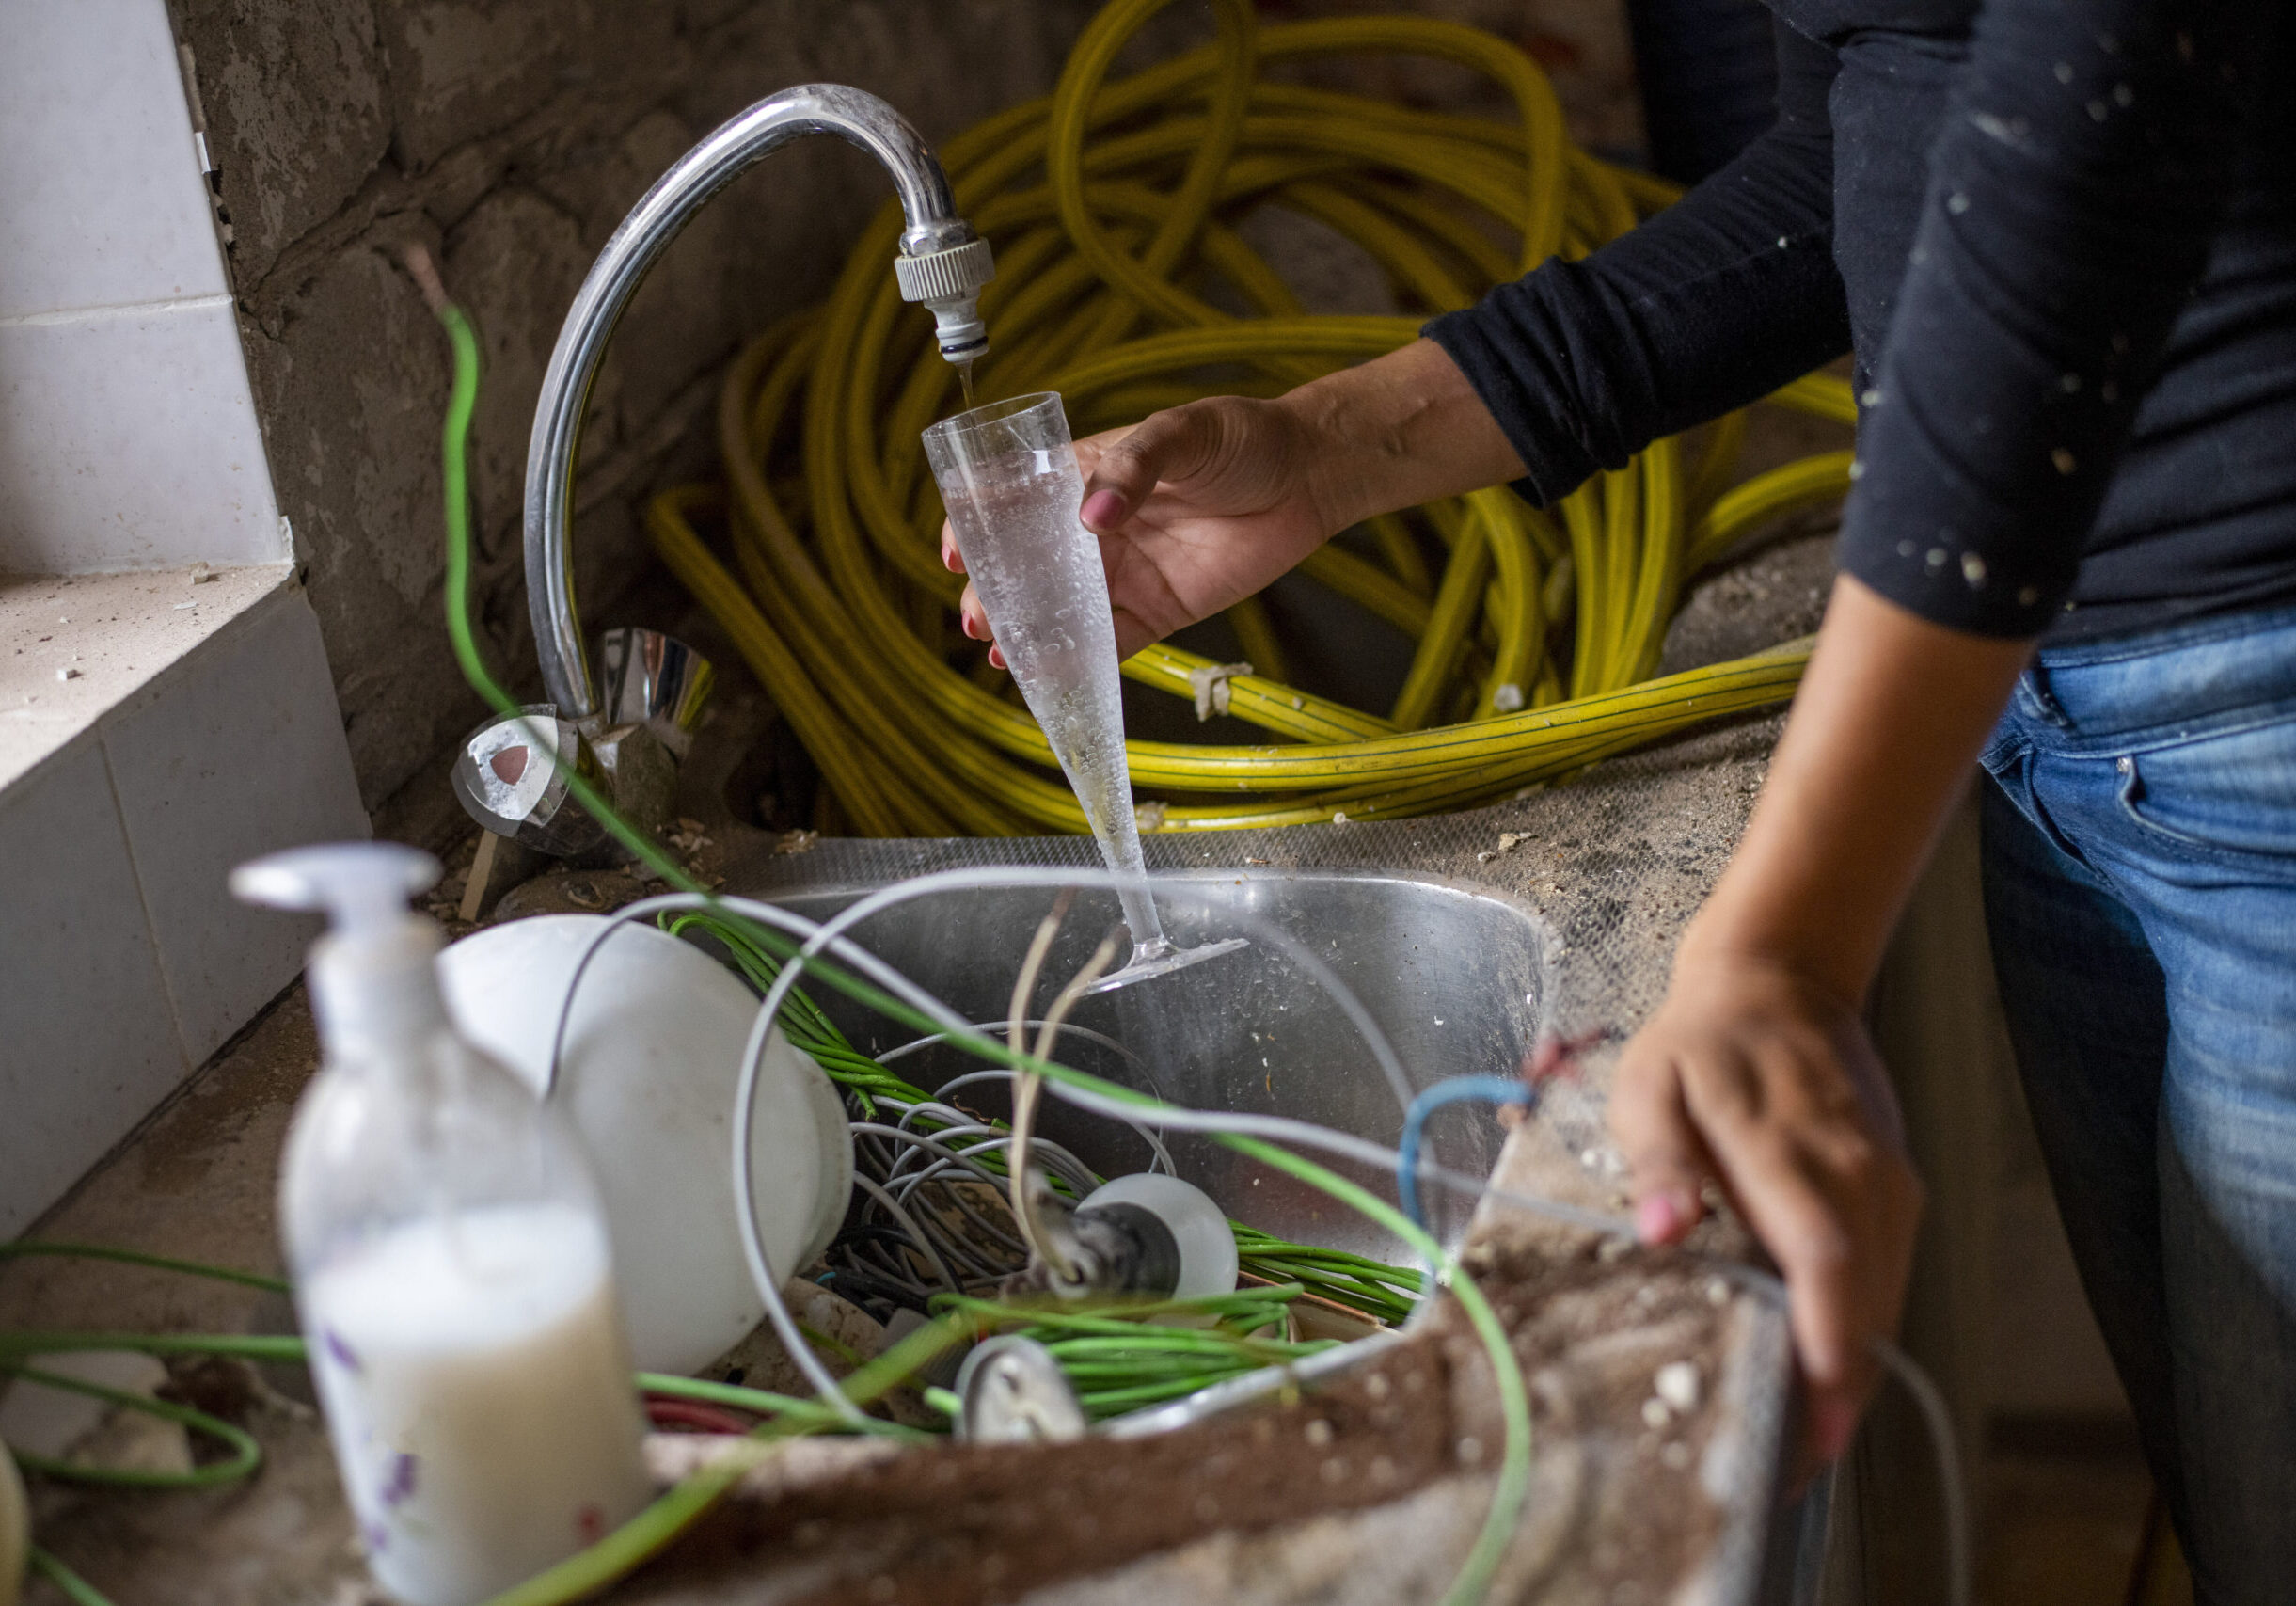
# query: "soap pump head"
[[373, 984]]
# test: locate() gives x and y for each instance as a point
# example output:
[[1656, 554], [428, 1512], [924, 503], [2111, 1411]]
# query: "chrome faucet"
[[941, 263]]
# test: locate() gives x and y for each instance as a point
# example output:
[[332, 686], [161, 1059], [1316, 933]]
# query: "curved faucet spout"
[[942, 264]]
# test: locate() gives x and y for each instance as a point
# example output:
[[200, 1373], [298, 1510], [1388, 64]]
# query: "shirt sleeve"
[[2084, 165], [1712, 304]]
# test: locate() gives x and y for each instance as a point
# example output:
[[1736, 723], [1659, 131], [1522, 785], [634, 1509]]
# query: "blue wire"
[[1457, 1090]]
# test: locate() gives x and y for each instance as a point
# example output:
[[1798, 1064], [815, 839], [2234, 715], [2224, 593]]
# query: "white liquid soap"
[[451, 1261], [474, 1380]]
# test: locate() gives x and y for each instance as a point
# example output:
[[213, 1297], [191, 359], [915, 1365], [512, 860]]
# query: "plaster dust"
[[1365, 1490], [78, 645]]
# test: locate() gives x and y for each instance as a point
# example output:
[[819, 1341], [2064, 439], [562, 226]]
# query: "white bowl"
[[653, 1055]]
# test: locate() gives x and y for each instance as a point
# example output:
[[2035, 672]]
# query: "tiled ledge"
[[74, 646], [192, 737]]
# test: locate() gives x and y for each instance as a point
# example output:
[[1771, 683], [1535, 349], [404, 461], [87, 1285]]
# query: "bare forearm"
[[1402, 429], [1889, 720]]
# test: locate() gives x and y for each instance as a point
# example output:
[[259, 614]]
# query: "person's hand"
[[1756, 1074], [1754, 1077], [1196, 507]]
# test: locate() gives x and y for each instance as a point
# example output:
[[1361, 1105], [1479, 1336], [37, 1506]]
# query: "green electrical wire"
[[76, 1589], [137, 1257], [242, 1347], [1116, 1361], [1513, 1490], [674, 1512], [454, 458], [1352, 1281], [669, 1515], [245, 1454], [1514, 1483], [646, 1533]]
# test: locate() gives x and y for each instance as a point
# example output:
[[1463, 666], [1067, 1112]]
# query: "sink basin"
[[1453, 975]]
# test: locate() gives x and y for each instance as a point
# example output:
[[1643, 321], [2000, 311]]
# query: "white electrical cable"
[[820, 936], [947, 1156], [998, 1028], [1939, 1420], [1073, 1170], [997, 877], [932, 1145], [829, 936], [947, 1115], [1161, 1157], [908, 1225]]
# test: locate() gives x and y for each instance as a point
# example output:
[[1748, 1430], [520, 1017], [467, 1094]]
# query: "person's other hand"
[[1196, 507], [1752, 1077]]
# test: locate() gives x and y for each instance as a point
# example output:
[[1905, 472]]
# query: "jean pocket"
[[2228, 793]]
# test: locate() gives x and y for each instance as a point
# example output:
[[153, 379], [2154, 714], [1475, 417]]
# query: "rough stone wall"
[[510, 137]]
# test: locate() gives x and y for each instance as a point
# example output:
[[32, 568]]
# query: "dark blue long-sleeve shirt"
[[2060, 236]]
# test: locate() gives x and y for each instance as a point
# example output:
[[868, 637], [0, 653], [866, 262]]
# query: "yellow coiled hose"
[[1110, 206]]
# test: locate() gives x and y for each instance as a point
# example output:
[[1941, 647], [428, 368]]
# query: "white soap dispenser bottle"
[[450, 1259]]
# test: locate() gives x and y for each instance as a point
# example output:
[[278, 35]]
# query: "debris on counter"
[[1677, 1384]]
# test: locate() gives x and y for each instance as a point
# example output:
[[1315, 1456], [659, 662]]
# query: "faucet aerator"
[[962, 337]]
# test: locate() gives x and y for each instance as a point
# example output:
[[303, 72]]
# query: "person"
[[2060, 241]]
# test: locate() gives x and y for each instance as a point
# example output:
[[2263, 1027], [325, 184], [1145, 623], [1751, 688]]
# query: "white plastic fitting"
[[949, 282], [1199, 1228]]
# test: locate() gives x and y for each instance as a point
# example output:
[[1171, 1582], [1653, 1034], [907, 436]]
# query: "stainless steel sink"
[[1454, 976]]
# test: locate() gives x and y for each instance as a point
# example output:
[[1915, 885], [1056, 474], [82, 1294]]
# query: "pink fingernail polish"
[[1655, 1219], [1103, 508]]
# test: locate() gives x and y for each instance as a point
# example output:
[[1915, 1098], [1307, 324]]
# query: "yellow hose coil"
[[1110, 206]]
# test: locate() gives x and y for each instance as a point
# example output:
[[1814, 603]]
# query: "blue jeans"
[[2140, 865]]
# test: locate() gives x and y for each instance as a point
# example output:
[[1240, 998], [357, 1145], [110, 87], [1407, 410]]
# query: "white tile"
[[129, 441], [102, 190], [72, 648], [87, 1044], [238, 752]]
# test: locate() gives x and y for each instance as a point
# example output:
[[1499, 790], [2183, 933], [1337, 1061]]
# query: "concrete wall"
[[511, 135]]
